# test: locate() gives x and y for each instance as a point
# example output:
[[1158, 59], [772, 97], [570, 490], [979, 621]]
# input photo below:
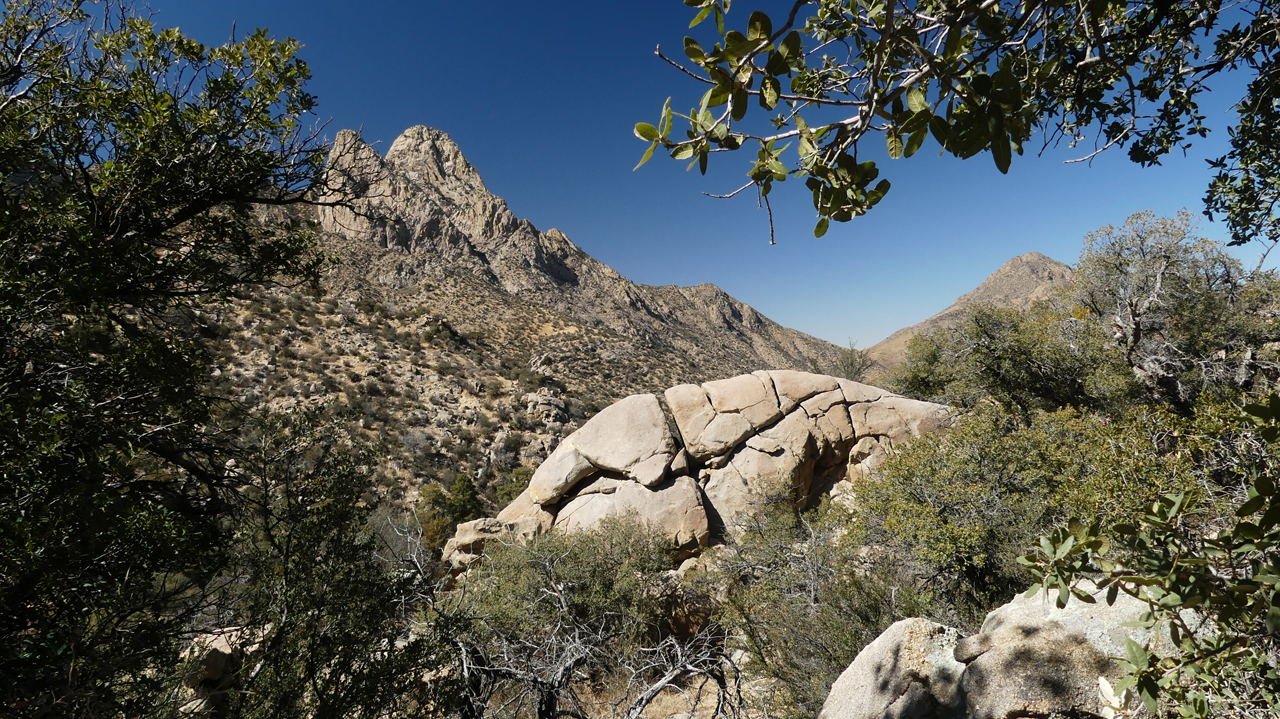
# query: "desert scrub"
[[966, 503], [805, 596]]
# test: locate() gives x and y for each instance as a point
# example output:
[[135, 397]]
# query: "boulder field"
[[700, 466]]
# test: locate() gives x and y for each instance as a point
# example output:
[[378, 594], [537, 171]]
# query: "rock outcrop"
[[1029, 658], [745, 441]]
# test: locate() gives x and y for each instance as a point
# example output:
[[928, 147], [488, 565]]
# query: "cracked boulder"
[[775, 465], [673, 506], [629, 436], [777, 435]]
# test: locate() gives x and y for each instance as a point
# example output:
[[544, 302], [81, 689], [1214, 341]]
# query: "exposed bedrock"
[[739, 443]]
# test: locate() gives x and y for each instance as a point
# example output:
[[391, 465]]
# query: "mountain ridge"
[[1018, 283], [425, 199]]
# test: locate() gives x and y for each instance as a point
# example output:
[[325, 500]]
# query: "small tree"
[[853, 363]]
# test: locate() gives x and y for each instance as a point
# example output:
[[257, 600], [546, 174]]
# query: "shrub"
[[558, 622], [804, 598]]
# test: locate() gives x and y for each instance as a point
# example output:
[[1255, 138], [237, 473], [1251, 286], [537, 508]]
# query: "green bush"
[[805, 596], [563, 621]]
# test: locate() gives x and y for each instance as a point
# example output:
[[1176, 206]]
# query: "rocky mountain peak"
[[426, 204], [426, 155], [1018, 283]]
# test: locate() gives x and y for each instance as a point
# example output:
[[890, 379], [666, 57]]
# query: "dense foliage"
[[1117, 402], [141, 173], [586, 625], [977, 77], [1154, 315], [804, 596]]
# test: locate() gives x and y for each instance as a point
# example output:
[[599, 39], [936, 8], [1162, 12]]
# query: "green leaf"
[[770, 91], [916, 100], [694, 50], [1271, 518], [1251, 506], [1136, 654], [702, 163], [894, 142], [915, 141], [1001, 153], [821, 228], [940, 129], [1149, 691], [682, 152], [647, 132], [647, 154], [759, 27], [789, 48], [915, 122], [697, 19], [740, 100]]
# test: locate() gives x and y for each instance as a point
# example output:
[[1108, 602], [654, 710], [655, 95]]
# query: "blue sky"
[[542, 97]]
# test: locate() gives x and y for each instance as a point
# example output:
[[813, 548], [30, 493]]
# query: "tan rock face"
[[625, 434], [674, 507], [563, 469], [469, 539], [752, 439], [795, 387], [629, 436]]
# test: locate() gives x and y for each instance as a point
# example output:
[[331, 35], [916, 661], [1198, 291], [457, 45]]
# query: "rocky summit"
[[1019, 283], [463, 339], [426, 205]]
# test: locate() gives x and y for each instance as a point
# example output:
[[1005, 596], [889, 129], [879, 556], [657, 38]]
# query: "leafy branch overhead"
[[976, 75]]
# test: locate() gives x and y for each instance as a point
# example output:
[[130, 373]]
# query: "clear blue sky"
[[542, 97]]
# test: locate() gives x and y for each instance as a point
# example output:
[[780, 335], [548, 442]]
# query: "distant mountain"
[[461, 339], [424, 213], [1019, 283]]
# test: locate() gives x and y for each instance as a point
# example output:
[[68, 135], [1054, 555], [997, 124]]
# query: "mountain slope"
[[1019, 283], [463, 341], [429, 205]]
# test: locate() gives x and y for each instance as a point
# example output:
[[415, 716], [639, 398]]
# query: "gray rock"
[[1032, 670], [908, 672], [1030, 659]]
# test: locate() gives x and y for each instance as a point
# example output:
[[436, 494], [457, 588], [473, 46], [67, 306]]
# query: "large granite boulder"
[[1029, 659], [743, 442], [629, 436], [674, 507]]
